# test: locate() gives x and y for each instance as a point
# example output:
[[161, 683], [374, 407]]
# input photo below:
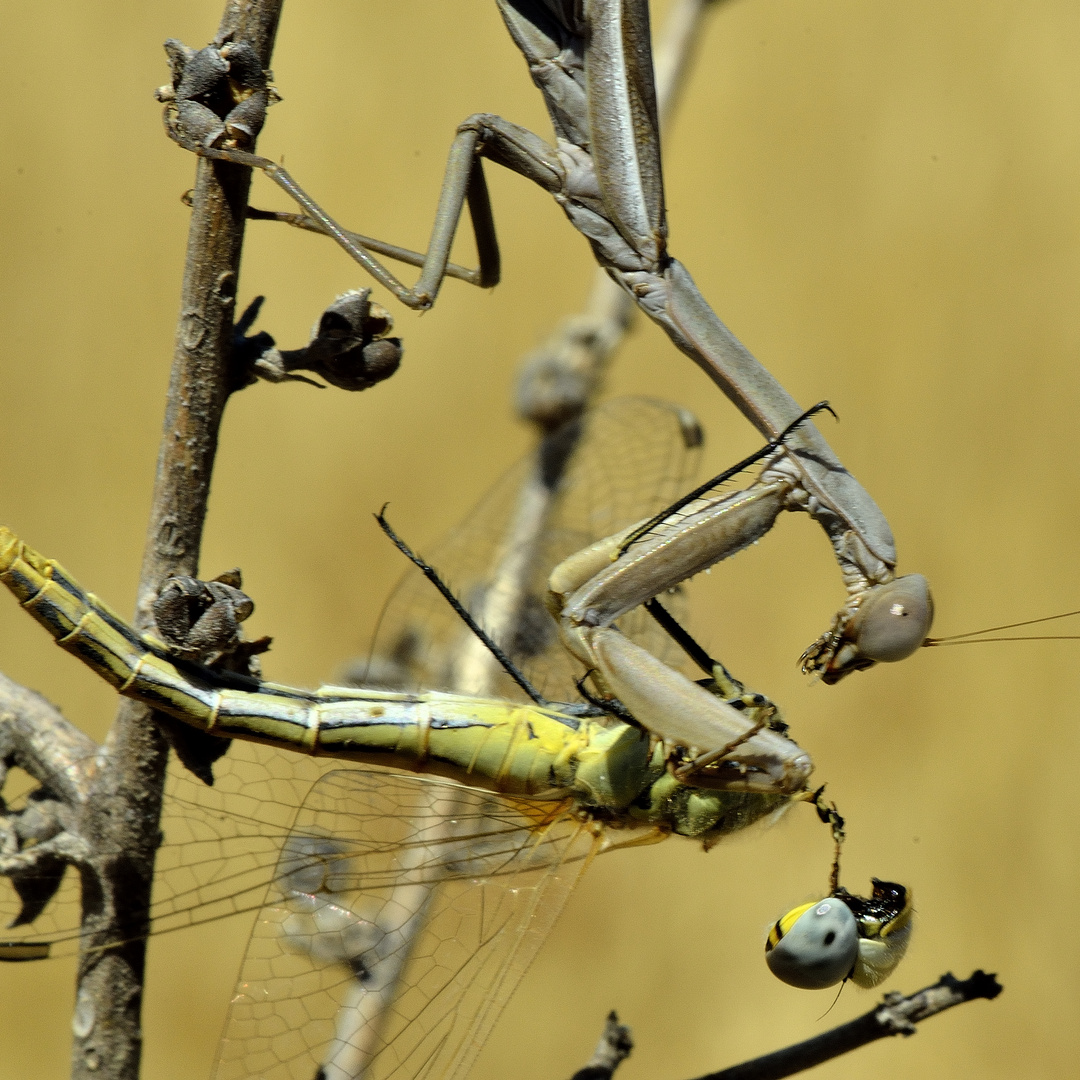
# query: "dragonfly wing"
[[403, 913], [222, 843], [631, 458], [220, 847]]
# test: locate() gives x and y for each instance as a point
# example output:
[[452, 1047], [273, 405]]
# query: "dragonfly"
[[397, 911]]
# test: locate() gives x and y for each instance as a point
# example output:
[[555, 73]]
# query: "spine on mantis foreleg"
[[516, 749]]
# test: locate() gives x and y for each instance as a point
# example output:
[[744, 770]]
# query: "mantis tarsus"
[[592, 61]]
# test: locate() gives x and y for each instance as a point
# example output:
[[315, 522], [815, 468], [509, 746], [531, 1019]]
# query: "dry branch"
[[896, 1015], [121, 816]]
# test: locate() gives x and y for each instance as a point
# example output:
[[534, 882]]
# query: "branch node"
[[218, 96]]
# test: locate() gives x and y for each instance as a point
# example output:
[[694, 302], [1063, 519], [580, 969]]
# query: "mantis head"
[[842, 937], [890, 622]]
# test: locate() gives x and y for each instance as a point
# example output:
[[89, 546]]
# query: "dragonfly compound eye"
[[895, 619], [815, 945]]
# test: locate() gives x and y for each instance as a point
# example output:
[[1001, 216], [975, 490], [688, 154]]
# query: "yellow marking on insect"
[[785, 923]]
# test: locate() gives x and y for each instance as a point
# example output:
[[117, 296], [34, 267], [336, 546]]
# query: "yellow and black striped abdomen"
[[517, 749]]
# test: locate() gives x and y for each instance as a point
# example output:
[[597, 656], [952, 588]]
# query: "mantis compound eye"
[[815, 945], [895, 619], [844, 936]]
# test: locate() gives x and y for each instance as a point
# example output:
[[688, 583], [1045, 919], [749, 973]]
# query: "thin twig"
[[896, 1015], [123, 813], [611, 1051]]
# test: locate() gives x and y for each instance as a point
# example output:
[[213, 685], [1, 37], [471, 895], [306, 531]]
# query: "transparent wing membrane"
[[396, 914], [220, 847], [634, 456], [406, 928]]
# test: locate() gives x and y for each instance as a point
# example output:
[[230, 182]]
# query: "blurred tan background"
[[882, 200]]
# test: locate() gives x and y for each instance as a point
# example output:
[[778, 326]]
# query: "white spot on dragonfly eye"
[[897, 609]]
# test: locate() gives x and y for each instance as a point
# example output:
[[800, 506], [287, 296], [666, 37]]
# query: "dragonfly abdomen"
[[498, 745]]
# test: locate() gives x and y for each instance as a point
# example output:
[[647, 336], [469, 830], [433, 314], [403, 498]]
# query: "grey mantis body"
[[592, 61]]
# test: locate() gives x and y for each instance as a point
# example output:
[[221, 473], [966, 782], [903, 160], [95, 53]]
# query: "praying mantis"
[[592, 61]]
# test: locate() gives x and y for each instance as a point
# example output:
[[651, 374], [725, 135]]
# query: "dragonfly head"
[[842, 936]]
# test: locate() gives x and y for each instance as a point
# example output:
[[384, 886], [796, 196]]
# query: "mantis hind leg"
[[199, 130]]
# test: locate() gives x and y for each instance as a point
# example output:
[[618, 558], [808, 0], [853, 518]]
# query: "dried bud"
[[218, 97], [200, 620], [347, 348]]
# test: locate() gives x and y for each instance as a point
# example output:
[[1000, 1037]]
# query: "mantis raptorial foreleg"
[[592, 61], [593, 588], [590, 590]]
